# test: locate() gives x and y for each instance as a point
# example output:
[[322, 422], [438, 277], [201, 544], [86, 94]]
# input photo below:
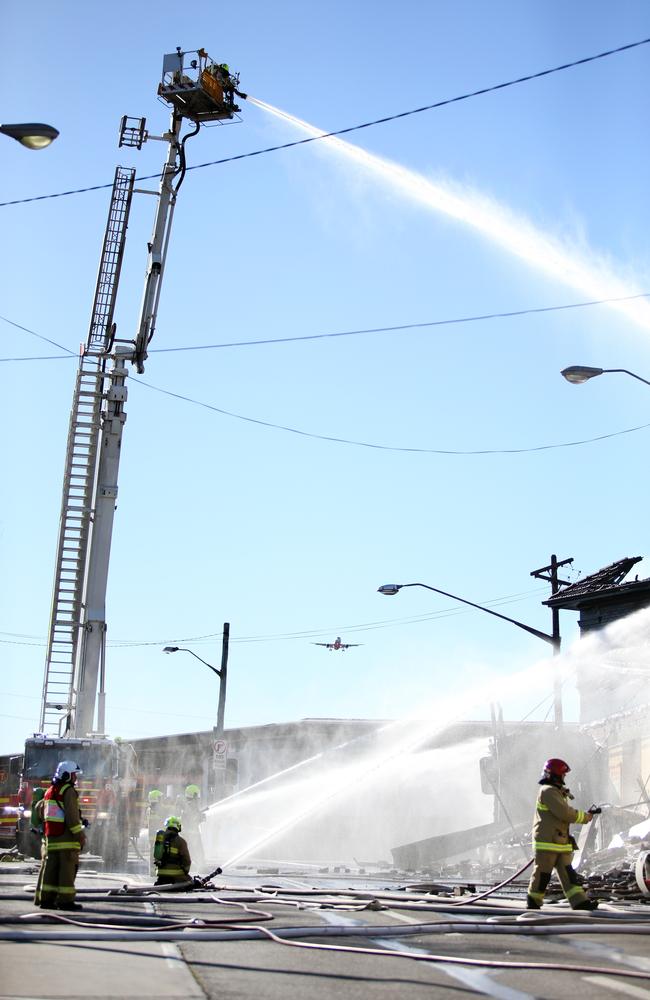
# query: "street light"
[[577, 374], [221, 674], [34, 135], [390, 589]]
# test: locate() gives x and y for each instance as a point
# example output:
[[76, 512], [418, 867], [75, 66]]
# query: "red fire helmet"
[[556, 767]]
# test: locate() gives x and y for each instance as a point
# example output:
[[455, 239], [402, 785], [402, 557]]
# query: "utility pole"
[[220, 747], [223, 676], [549, 573]]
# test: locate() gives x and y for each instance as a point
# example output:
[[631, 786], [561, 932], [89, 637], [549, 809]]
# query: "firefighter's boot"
[[534, 900]]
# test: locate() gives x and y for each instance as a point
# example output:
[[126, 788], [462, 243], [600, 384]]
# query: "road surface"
[[201, 944]]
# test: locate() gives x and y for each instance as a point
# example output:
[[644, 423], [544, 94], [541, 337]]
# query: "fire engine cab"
[[105, 787]]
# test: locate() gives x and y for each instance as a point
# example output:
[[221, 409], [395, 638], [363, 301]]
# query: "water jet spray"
[[548, 254]]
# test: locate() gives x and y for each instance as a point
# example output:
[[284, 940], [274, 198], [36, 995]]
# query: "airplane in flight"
[[337, 644]]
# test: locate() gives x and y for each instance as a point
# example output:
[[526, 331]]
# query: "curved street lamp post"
[[222, 674], [33, 135], [390, 589], [577, 374]]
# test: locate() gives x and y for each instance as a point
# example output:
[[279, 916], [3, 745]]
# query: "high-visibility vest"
[[53, 812]]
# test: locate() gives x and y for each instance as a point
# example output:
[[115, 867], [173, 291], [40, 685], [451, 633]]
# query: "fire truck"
[[106, 789], [72, 722], [11, 766]]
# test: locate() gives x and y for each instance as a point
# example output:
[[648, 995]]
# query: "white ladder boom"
[[59, 693]]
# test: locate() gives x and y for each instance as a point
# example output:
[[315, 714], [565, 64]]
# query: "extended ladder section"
[[84, 435]]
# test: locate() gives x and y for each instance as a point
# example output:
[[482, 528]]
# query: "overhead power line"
[[403, 326], [355, 128], [515, 598], [388, 447], [43, 357], [40, 336], [373, 445], [339, 333]]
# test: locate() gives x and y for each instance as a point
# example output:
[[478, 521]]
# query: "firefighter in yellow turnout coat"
[[64, 839], [171, 854], [552, 841]]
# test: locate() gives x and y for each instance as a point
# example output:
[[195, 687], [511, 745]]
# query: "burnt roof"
[[604, 581]]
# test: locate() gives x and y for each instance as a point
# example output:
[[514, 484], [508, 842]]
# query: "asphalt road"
[[127, 957]]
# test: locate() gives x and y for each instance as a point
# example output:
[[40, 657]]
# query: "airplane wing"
[[328, 645], [348, 645]]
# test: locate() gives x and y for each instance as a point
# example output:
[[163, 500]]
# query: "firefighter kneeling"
[[171, 855], [552, 841]]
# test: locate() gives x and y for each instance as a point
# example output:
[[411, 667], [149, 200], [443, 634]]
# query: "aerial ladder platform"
[[80, 469], [200, 90]]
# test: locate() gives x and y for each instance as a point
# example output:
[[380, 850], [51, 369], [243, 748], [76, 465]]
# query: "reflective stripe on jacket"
[[553, 815], [62, 818], [61, 844], [176, 860]]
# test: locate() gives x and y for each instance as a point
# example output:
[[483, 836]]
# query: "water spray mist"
[[583, 272]]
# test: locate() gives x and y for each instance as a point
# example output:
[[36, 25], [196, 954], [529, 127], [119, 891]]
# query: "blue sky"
[[220, 519]]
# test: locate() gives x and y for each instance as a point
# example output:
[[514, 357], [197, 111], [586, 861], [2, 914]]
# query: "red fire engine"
[[105, 788], [11, 766]]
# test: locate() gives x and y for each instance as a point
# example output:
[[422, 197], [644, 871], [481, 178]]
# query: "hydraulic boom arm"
[[200, 90]]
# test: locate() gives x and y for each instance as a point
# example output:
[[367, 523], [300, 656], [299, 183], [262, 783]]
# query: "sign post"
[[220, 754]]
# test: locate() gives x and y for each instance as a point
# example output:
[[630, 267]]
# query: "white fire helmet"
[[66, 767]]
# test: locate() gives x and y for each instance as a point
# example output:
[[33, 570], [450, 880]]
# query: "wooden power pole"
[[549, 573]]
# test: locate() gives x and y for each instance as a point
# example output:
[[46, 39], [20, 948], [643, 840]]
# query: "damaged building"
[[609, 747]]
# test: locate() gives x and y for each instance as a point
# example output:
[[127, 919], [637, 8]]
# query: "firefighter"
[[105, 819], [171, 854], [552, 841], [36, 818], [190, 813], [36, 830], [155, 813], [155, 805], [64, 839], [222, 74], [187, 806]]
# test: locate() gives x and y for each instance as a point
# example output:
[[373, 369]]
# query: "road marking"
[[173, 958], [615, 984], [404, 918], [476, 979], [602, 950], [175, 962]]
